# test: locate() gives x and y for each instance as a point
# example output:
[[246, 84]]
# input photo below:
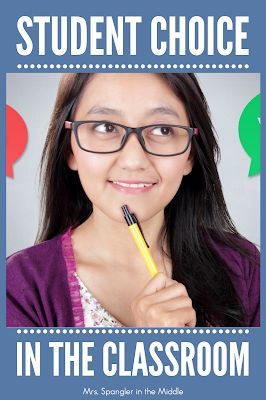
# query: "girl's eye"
[[162, 131], [105, 128]]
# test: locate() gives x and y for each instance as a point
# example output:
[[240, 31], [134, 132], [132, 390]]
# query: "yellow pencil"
[[140, 241]]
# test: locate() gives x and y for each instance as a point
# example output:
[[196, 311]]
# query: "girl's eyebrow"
[[164, 111], [105, 110], [113, 111]]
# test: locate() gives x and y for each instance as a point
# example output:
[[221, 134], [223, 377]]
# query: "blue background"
[[71, 388]]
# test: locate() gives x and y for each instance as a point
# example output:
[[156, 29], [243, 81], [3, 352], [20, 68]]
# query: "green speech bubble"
[[249, 133]]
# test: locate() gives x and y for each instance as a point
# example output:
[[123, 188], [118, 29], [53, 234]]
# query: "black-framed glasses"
[[106, 137]]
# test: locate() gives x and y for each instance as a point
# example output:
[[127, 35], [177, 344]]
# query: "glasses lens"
[[100, 136], [166, 139]]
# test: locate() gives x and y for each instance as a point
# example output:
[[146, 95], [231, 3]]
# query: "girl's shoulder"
[[242, 260], [37, 287], [35, 258], [39, 252], [240, 255]]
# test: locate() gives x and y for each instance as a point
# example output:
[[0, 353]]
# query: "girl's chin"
[[143, 215], [143, 212]]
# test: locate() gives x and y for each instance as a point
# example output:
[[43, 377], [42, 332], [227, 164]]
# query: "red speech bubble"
[[16, 138]]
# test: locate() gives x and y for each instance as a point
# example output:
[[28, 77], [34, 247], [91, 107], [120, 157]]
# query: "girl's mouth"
[[132, 186]]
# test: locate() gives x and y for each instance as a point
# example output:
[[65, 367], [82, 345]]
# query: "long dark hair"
[[196, 220]]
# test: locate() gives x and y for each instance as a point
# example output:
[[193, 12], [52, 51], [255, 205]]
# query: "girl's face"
[[133, 100]]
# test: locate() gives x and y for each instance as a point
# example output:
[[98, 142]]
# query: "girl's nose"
[[132, 156]]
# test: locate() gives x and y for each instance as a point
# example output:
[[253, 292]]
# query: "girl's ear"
[[72, 163], [189, 165]]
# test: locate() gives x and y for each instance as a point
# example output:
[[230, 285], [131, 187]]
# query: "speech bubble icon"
[[249, 133], [16, 138]]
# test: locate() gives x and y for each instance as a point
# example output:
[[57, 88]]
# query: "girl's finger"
[[181, 318], [158, 282], [175, 304], [174, 291]]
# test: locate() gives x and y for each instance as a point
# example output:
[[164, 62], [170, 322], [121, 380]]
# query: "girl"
[[144, 140]]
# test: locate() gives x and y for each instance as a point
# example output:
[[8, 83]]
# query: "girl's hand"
[[163, 303]]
